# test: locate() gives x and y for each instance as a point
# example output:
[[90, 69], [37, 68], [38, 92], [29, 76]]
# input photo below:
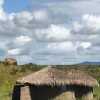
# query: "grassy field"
[[9, 74]]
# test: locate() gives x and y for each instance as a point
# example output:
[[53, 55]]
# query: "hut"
[[10, 61], [54, 84]]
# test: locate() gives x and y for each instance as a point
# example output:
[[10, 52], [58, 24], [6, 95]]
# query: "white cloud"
[[92, 21], [1, 4], [63, 46], [77, 26], [40, 15], [89, 24], [58, 32], [94, 36], [23, 39], [85, 45], [54, 33], [23, 18], [2, 13], [14, 52]]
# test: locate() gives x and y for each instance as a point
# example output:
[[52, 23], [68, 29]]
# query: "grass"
[[9, 74]]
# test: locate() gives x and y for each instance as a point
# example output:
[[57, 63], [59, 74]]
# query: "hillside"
[[9, 74], [92, 63]]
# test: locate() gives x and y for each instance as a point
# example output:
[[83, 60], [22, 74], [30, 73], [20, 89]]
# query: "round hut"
[[10, 61], [54, 84]]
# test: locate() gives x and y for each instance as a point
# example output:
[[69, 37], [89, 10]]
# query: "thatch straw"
[[54, 76]]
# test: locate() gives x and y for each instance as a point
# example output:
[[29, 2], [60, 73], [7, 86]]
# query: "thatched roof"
[[54, 76]]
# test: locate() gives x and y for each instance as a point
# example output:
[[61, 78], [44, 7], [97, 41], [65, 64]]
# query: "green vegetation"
[[9, 74]]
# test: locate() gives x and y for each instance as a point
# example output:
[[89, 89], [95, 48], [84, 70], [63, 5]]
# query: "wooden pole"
[[25, 93]]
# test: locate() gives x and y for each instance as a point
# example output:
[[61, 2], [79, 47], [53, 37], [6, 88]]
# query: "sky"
[[50, 31]]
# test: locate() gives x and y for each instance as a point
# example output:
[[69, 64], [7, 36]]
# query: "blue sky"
[[17, 5], [50, 31]]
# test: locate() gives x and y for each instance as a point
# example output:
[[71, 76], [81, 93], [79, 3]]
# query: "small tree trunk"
[[25, 93]]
